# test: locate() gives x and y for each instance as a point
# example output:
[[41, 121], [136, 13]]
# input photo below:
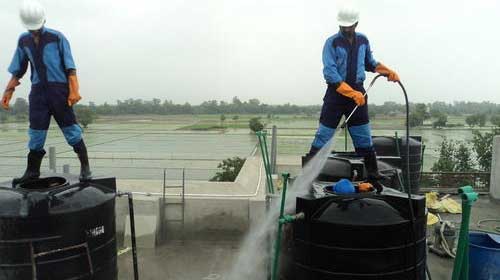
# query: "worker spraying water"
[[54, 89], [346, 57]]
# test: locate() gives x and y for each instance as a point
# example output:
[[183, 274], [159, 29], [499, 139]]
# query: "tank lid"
[[44, 184], [364, 211], [50, 196]]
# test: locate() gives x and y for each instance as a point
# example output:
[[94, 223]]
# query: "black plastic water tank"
[[388, 146], [50, 229], [356, 238], [346, 164]]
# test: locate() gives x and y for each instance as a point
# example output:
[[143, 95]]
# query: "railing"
[[452, 180]]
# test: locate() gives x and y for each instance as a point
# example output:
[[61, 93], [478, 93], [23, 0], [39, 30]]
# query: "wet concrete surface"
[[200, 260], [484, 208]]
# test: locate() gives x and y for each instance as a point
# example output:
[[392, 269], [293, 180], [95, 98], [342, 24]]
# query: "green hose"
[[261, 135], [281, 221], [461, 266]]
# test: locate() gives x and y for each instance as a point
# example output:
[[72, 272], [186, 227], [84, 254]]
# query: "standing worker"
[[346, 57], [54, 88]]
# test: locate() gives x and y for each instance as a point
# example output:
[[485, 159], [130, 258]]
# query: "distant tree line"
[[477, 115], [255, 106], [419, 111], [432, 109], [167, 107]]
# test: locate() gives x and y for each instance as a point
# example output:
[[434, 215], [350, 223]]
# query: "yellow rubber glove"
[[74, 88], [9, 92], [346, 90], [391, 75]]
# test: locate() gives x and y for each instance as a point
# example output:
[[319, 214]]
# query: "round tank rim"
[[65, 183], [479, 246]]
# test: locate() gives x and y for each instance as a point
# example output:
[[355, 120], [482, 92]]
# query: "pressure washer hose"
[[496, 228], [408, 184], [410, 204]]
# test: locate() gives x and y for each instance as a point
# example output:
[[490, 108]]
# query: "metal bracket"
[[34, 256]]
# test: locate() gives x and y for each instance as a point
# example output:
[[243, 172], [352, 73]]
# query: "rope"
[[496, 228]]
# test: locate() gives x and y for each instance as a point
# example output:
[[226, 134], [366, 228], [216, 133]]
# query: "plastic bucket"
[[484, 256]]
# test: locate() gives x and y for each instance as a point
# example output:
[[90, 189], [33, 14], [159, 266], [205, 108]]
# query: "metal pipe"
[[263, 148], [164, 183], [422, 157], [259, 136], [132, 231], [274, 149], [268, 163], [132, 235]]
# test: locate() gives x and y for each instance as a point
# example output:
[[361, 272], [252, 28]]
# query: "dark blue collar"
[[343, 37], [43, 30]]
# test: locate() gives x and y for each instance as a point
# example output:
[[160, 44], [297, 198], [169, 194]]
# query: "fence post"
[[274, 149], [66, 169], [52, 159], [495, 169]]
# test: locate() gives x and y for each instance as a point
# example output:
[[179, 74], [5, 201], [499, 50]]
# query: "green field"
[[141, 146]]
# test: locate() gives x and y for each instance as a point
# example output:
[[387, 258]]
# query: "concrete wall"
[[204, 219], [495, 169], [212, 210]]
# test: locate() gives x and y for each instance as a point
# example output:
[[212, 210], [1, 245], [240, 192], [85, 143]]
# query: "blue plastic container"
[[344, 186], [484, 256]]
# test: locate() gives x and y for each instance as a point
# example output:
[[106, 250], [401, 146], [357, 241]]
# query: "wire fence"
[[480, 181], [123, 172]]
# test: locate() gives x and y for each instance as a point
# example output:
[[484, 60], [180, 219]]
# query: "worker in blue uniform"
[[54, 89], [346, 57]]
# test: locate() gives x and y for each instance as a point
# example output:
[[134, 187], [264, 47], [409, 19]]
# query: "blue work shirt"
[[343, 61], [50, 60]]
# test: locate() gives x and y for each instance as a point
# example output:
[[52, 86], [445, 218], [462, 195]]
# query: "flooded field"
[[140, 147]]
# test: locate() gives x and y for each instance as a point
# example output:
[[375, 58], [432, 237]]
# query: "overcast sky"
[[192, 51]]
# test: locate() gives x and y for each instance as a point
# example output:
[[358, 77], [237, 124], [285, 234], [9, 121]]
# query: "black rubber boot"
[[372, 168], [81, 150], [374, 176], [33, 168], [312, 152]]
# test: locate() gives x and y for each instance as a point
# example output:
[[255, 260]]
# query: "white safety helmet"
[[347, 16], [32, 14]]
